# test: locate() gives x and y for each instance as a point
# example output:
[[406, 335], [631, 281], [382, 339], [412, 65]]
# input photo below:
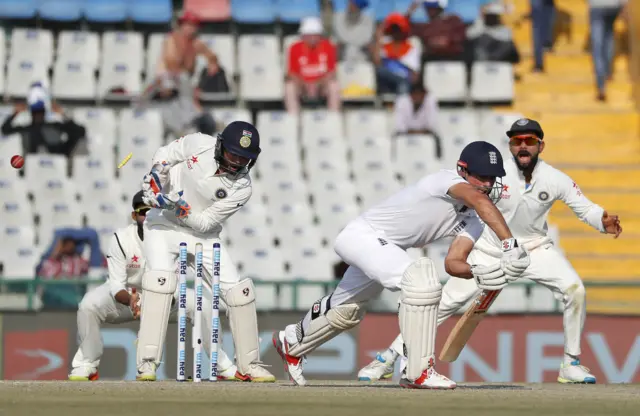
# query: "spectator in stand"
[[491, 39], [312, 68], [444, 36], [418, 113], [542, 20], [50, 130], [396, 59], [353, 29], [602, 17]]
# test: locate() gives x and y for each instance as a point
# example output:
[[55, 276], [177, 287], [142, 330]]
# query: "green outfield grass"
[[320, 398]]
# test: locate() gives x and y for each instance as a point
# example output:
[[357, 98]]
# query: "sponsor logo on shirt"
[[458, 228], [192, 161], [134, 263], [505, 192]]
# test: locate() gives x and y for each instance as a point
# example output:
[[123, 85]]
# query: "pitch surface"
[[321, 398]]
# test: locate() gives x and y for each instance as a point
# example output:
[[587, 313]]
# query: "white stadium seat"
[[415, 157], [280, 169], [286, 217], [21, 73], [20, 262], [258, 48], [225, 49], [119, 75], [300, 236], [101, 126], [12, 189], [16, 211], [494, 127], [263, 263], [73, 80], [32, 44], [376, 189], [99, 189], [321, 123], [88, 168], [154, 53], [312, 263], [227, 115], [363, 124], [321, 168], [55, 215], [369, 149], [334, 217], [141, 132], [357, 75], [131, 177], [261, 82], [326, 148], [41, 167], [123, 47], [454, 123], [492, 82], [252, 214], [79, 47], [447, 81], [53, 191], [279, 125], [9, 146], [292, 190], [17, 236], [106, 218], [327, 193]]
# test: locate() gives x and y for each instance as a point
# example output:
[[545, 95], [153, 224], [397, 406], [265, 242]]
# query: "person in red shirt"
[[312, 68]]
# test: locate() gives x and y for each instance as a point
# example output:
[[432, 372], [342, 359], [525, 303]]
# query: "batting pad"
[[325, 325], [243, 320], [420, 293], [157, 292]]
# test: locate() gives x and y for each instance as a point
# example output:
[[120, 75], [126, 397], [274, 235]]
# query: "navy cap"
[[526, 125], [137, 201], [483, 159], [242, 139]]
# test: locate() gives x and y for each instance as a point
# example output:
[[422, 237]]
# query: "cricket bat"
[[461, 333]]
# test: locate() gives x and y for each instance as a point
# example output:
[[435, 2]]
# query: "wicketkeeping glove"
[[514, 261], [489, 277]]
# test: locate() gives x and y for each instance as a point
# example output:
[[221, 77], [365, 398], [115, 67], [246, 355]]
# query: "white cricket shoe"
[[292, 365], [147, 371], [429, 379], [84, 373], [575, 373], [378, 369], [229, 374], [256, 374]]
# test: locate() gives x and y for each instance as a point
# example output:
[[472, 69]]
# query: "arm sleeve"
[[181, 149], [213, 217], [473, 230], [588, 212], [117, 265]]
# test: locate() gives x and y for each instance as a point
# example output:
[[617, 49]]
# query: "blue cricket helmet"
[[240, 139], [482, 159]]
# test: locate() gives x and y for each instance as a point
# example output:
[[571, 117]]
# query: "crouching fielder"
[[116, 301], [196, 183], [374, 245]]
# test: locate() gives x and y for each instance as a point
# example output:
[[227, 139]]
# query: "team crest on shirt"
[[543, 196], [245, 140], [221, 194]]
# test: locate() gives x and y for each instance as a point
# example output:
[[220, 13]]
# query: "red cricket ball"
[[17, 161]]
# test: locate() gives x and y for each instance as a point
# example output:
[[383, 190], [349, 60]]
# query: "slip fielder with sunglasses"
[[530, 188], [117, 300]]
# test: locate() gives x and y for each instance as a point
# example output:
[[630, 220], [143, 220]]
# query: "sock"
[[568, 358]]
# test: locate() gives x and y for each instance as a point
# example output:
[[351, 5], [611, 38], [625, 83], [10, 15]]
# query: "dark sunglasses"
[[528, 140], [141, 211]]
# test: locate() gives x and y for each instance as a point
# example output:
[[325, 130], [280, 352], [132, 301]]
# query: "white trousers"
[[98, 306]]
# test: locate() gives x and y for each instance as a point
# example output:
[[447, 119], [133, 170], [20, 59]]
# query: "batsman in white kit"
[[195, 184], [530, 189], [445, 204], [117, 300]]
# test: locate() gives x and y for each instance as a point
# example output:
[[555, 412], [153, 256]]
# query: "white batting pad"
[[325, 325], [157, 291], [243, 320], [419, 298]]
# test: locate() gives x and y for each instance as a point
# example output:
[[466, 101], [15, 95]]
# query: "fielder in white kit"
[[531, 187], [116, 301], [196, 183], [445, 204]]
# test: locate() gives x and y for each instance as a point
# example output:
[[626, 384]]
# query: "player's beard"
[[140, 230], [533, 160]]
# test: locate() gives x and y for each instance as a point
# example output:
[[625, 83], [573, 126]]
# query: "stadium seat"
[[357, 81], [151, 11], [210, 10], [303, 235], [492, 82], [253, 11], [279, 169], [321, 123], [87, 169], [278, 131], [293, 190], [140, 133], [327, 193], [52, 190], [447, 81], [9, 146], [362, 124], [73, 81], [102, 190], [227, 115], [32, 44], [154, 52], [3, 47], [312, 264], [262, 48], [101, 126], [437, 251], [61, 11], [17, 236], [321, 168], [415, 157], [541, 299], [263, 263], [286, 217], [39, 167], [454, 123], [118, 77], [367, 149], [375, 183], [253, 214], [493, 129], [248, 237], [292, 11], [55, 215], [224, 47], [106, 11], [18, 9], [16, 211], [20, 263], [123, 48], [79, 46], [21, 73], [261, 76], [327, 148], [106, 218], [131, 177], [451, 149], [333, 218]]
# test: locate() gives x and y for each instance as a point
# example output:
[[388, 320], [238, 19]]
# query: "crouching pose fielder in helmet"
[[196, 183], [374, 245], [117, 300]]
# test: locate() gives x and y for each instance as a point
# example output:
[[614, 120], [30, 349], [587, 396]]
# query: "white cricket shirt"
[[423, 213], [213, 198], [125, 260], [525, 209]]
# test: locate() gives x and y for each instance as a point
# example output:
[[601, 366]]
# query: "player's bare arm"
[[455, 264]]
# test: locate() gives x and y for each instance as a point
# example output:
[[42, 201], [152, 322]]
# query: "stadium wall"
[[505, 348]]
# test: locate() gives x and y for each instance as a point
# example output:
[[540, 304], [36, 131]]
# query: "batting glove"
[[515, 260], [489, 277]]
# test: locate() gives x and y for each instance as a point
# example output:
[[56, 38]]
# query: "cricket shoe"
[[256, 374], [147, 371], [84, 374], [292, 365], [429, 379], [378, 369], [574, 373], [229, 374]]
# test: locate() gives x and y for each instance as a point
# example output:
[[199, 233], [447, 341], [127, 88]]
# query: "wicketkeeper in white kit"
[[195, 184], [531, 187], [445, 204], [116, 301]]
